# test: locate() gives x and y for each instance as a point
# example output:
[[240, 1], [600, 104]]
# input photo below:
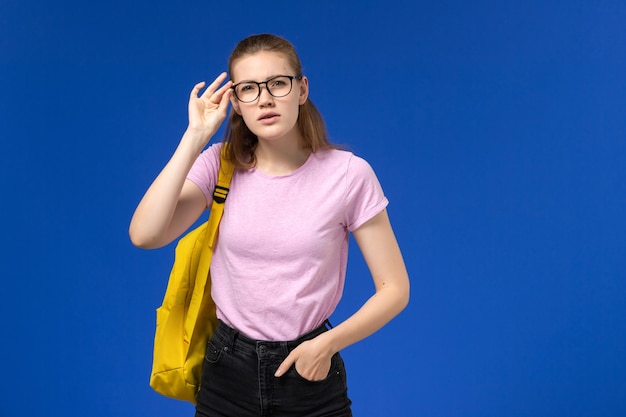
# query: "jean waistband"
[[234, 337]]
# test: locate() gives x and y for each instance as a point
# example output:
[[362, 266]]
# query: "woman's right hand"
[[208, 110], [172, 203]]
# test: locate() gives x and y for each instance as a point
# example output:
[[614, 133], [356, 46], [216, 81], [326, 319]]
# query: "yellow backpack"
[[186, 319]]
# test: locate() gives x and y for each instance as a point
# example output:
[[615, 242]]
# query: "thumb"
[[286, 364]]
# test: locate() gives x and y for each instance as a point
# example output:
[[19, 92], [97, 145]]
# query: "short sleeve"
[[204, 171], [364, 194]]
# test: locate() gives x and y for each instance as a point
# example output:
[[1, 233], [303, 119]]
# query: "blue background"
[[497, 129]]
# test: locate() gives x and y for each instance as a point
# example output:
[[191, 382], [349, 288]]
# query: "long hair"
[[242, 142]]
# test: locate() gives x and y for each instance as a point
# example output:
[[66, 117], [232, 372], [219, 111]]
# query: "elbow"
[[142, 240], [403, 295], [397, 294], [139, 241]]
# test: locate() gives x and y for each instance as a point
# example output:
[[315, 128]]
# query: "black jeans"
[[238, 380]]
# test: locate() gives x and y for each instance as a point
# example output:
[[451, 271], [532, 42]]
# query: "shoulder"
[[344, 163], [337, 157], [209, 160], [212, 152], [350, 161], [204, 169]]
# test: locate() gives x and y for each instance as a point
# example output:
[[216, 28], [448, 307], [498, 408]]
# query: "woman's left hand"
[[311, 359]]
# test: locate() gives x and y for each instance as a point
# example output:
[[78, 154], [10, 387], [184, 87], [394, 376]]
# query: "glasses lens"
[[247, 91], [279, 86]]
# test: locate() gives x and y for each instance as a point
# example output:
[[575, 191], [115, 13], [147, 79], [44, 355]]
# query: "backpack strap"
[[220, 193], [208, 244]]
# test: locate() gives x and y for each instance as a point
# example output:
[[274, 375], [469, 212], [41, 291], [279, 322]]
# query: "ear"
[[304, 90], [235, 104]]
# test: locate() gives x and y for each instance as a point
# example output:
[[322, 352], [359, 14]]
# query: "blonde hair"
[[242, 142]]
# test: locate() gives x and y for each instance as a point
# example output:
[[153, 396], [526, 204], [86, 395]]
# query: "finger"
[[285, 365], [225, 100], [213, 86], [196, 89], [222, 106], [217, 96]]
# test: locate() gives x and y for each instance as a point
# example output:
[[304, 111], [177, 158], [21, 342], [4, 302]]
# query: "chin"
[[273, 134]]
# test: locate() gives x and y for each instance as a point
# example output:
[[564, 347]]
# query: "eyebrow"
[[267, 79]]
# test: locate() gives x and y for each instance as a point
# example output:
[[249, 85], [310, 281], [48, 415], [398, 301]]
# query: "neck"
[[280, 157]]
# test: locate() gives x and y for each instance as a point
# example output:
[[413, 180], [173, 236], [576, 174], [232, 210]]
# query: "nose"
[[265, 97]]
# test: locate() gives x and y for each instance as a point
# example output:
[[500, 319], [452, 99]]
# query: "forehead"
[[260, 66]]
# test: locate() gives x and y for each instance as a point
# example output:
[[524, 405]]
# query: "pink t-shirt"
[[279, 267]]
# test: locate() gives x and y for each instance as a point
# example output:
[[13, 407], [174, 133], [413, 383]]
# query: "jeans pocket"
[[213, 353], [336, 369], [328, 397]]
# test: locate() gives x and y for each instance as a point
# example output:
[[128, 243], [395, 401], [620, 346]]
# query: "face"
[[269, 117]]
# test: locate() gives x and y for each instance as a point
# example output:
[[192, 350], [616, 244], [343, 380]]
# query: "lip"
[[268, 116]]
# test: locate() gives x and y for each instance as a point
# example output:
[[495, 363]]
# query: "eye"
[[278, 82]]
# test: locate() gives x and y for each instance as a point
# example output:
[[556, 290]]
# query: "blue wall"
[[497, 129]]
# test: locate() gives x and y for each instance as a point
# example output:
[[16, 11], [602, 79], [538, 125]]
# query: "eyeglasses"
[[278, 86]]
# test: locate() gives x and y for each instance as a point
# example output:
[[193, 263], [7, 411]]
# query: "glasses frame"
[[291, 78]]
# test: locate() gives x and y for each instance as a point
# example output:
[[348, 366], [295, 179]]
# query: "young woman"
[[279, 266]]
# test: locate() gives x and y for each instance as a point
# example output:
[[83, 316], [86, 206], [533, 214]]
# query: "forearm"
[[384, 259], [168, 208], [151, 225], [381, 308]]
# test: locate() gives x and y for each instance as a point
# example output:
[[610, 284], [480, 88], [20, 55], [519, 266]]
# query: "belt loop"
[[232, 336], [328, 324]]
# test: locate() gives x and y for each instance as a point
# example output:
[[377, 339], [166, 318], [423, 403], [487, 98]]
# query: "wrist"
[[328, 343], [200, 129], [198, 138]]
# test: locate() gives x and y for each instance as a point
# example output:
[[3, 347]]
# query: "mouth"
[[268, 116]]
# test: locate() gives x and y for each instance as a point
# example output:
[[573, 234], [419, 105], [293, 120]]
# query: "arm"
[[173, 203], [384, 259]]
